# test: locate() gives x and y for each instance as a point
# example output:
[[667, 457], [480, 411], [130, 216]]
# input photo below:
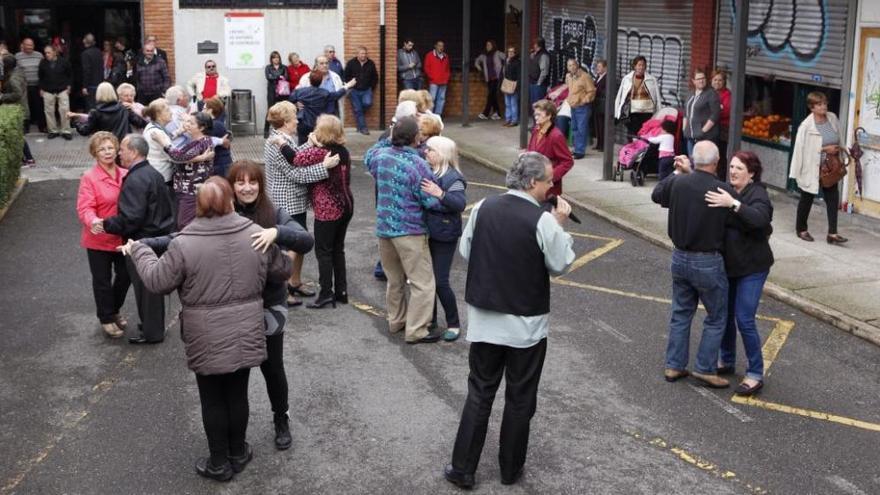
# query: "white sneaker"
[[482, 116], [495, 116]]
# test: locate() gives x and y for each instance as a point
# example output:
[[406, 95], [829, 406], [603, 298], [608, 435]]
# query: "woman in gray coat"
[[702, 113], [220, 280]]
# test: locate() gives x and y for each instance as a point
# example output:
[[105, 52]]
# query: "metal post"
[[737, 96], [465, 62], [611, 18], [382, 67], [525, 20]]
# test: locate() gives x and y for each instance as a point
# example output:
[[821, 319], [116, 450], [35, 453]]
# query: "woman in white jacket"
[[817, 135], [641, 92]]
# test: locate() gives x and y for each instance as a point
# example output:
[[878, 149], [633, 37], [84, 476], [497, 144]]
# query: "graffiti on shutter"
[[796, 24]]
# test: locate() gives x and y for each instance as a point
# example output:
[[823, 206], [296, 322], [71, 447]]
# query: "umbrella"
[[855, 152]]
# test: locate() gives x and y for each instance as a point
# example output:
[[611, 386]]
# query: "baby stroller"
[[641, 157]]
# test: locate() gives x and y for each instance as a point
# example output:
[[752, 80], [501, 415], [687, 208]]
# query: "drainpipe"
[[382, 64]]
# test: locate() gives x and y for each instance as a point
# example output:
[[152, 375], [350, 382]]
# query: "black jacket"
[[444, 223], [92, 67], [747, 238], [55, 76], [111, 117], [366, 74], [512, 68], [144, 205]]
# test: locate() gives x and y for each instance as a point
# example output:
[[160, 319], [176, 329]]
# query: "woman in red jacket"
[[98, 192], [719, 84], [548, 140]]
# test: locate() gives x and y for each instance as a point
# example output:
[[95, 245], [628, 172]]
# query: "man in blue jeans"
[[363, 71], [697, 231]]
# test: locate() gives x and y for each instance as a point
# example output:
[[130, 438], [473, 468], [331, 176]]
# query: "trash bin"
[[241, 106]]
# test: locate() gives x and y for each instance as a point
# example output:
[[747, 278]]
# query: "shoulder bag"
[[508, 87], [282, 87], [833, 168]]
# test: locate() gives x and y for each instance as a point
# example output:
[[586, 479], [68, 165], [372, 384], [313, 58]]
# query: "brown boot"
[[713, 381]]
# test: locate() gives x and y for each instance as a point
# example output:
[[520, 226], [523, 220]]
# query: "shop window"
[[767, 115], [257, 4]]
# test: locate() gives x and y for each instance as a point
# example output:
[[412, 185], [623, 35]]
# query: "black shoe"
[[140, 339], [725, 370], [321, 302], [206, 469], [283, 440], [578, 156], [342, 298], [299, 291], [52, 135], [67, 136], [239, 462], [746, 390], [457, 478], [433, 336], [513, 479]]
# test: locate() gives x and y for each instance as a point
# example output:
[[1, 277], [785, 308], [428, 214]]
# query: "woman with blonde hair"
[[108, 115], [333, 204], [428, 127], [427, 103], [444, 224]]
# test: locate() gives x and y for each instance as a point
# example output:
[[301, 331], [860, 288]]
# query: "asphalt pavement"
[[80, 413]]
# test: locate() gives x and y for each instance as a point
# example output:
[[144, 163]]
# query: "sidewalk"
[[837, 284]]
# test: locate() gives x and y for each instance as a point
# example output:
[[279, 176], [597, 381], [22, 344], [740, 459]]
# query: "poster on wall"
[[869, 119], [245, 38]]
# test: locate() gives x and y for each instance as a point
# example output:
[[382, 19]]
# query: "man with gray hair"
[[143, 210], [698, 275], [335, 64], [92, 69], [512, 245]]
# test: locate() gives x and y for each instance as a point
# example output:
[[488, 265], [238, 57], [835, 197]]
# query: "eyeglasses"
[[210, 66]]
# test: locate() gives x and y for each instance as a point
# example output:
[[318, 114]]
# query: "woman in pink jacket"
[[98, 192]]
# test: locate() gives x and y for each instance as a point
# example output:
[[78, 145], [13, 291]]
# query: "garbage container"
[[241, 106]]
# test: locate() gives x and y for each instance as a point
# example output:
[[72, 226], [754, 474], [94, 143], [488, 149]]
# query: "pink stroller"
[[641, 157]]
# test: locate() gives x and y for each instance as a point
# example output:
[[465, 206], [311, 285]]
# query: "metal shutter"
[[795, 40]]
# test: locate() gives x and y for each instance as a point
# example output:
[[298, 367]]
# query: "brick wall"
[[703, 32], [362, 29], [159, 22], [476, 92]]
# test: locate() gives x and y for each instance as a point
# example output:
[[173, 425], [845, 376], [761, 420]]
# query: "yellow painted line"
[[807, 413], [696, 460], [366, 308], [490, 186], [774, 343], [606, 290], [583, 260]]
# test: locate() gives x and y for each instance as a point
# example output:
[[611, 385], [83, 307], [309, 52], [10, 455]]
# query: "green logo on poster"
[[246, 58]]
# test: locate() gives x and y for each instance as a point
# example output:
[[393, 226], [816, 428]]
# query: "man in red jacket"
[[437, 71]]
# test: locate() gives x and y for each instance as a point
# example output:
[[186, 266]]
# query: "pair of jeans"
[[492, 98], [580, 127], [742, 305], [273, 371], [521, 368], [697, 277], [665, 167], [415, 84], [442, 254], [361, 101], [150, 306], [805, 204], [536, 92], [511, 108], [225, 413], [109, 291], [330, 252], [438, 94]]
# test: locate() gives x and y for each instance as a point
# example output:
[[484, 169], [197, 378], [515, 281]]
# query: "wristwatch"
[[735, 206]]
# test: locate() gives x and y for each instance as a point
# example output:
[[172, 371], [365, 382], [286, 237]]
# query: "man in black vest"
[[512, 246], [143, 210]]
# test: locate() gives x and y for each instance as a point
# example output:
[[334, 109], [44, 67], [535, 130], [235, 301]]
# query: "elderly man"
[[332, 82], [698, 275], [92, 69], [56, 78], [151, 74], [581, 93], [29, 60], [209, 83], [512, 245], [363, 70], [144, 210], [333, 63]]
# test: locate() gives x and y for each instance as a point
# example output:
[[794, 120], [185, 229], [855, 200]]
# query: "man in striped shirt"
[[29, 60]]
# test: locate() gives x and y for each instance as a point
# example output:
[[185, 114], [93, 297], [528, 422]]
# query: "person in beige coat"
[[209, 83], [220, 278], [817, 135]]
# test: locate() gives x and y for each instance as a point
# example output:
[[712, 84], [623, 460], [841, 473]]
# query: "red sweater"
[[437, 70], [555, 147], [97, 197], [724, 96], [294, 74]]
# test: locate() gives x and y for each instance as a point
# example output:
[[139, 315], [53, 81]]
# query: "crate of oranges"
[[771, 127]]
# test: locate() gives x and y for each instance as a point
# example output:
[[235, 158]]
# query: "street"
[[80, 413]]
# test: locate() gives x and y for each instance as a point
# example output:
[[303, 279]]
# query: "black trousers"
[[225, 413], [273, 371], [635, 122], [35, 103], [805, 204], [599, 126], [109, 291], [442, 254], [492, 105], [151, 307], [330, 252], [522, 371], [302, 132]]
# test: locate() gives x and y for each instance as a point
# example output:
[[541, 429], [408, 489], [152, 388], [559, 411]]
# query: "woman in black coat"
[[108, 115], [747, 260], [274, 72]]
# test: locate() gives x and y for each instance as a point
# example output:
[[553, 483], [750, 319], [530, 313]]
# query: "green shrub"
[[11, 147]]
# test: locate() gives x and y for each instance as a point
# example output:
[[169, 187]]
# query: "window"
[[255, 4]]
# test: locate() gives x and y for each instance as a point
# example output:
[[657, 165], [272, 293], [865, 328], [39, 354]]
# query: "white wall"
[[304, 31]]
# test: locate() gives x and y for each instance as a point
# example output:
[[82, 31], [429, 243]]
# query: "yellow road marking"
[[490, 186], [583, 260], [833, 418], [774, 343], [366, 308], [606, 290]]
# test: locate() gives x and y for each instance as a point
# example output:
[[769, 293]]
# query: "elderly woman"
[[444, 224], [333, 204], [287, 186], [548, 140], [275, 71], [702, 113], [638, 97], [296, 68], [747, 261], [189, 174], [108, 115], [818, 136], [126, 94], [221, 322], [96, 200]]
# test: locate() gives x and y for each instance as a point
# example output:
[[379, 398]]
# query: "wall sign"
[[207, 47], [245, 37]]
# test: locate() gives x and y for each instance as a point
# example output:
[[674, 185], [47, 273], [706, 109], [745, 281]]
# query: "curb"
[[18, 188], [831, 316]]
